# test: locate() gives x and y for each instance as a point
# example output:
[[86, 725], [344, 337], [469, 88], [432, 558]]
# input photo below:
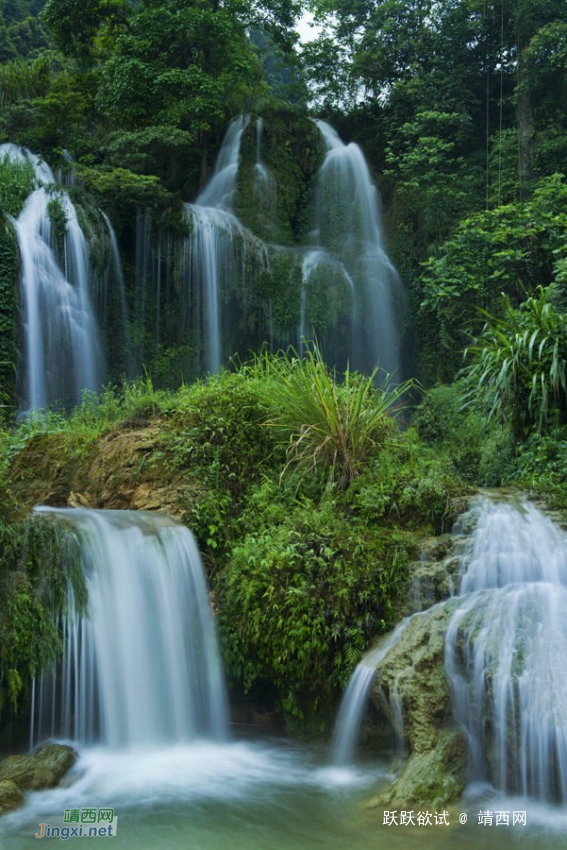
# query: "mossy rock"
[[430, 779], [44, 768], [11, 796], [414, 670], [123, 470]]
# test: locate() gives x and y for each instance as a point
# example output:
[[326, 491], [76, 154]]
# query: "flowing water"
[[355, 698], [349, 226], [216, 246], [343, 290], [62, 355], [506, 646], [140, 687], [506, 649], [140, 665]]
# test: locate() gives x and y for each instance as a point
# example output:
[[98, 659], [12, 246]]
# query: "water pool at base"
[[257, 796]]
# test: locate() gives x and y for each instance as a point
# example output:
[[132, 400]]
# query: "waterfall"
[[220, 190], [356, 696], [115, 267], [140, 664], [210, 246], [505, 651], [348, 225], [61, 348], [506, 647]]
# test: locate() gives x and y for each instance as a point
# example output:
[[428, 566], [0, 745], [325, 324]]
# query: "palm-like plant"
[[520, 362], [326, 423]]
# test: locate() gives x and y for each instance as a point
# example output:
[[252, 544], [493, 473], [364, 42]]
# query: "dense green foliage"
[[520, 363], [303, 576], [37, 560]]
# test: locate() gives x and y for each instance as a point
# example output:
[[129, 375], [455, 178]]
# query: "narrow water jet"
[[140, 663], [355, 698]]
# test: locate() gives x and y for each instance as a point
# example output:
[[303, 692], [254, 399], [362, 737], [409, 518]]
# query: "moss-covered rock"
[[275, 202], [123, 470], [44, 768], [412, 677], [11, 796]]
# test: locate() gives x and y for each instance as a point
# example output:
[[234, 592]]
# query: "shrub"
[[520, 364], [326, 424], [302, 596]]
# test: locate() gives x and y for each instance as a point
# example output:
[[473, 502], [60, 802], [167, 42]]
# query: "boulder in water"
[[44, 768], [10, 796]]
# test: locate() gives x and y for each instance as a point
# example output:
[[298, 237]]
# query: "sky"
[[306, 32]]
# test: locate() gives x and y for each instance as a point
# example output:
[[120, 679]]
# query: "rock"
[[44, 768], [10, 796], [431, 779], [411, 683]]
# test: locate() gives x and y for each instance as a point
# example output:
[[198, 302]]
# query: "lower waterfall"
[[505, 651], [140, 664]]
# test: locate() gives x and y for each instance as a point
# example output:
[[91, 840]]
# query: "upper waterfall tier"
[[62, 352], [349, 226]]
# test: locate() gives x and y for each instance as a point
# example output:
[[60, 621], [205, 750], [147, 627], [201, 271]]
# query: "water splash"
[[141, 665]]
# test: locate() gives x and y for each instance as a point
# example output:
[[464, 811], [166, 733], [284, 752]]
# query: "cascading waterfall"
[[348, 226], [506, 647], [220, 254], [222, 289], [61, 348], [140, 664], [210, 248], [505, 650]]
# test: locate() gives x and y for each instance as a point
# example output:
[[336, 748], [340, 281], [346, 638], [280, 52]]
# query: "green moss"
[[291, 152], [58, 218]]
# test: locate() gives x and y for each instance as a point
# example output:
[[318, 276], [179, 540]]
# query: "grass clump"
[[327, 425]]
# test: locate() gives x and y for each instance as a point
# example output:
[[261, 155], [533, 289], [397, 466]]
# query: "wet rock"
[[412, 689], [44, 768], [11, 796]]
